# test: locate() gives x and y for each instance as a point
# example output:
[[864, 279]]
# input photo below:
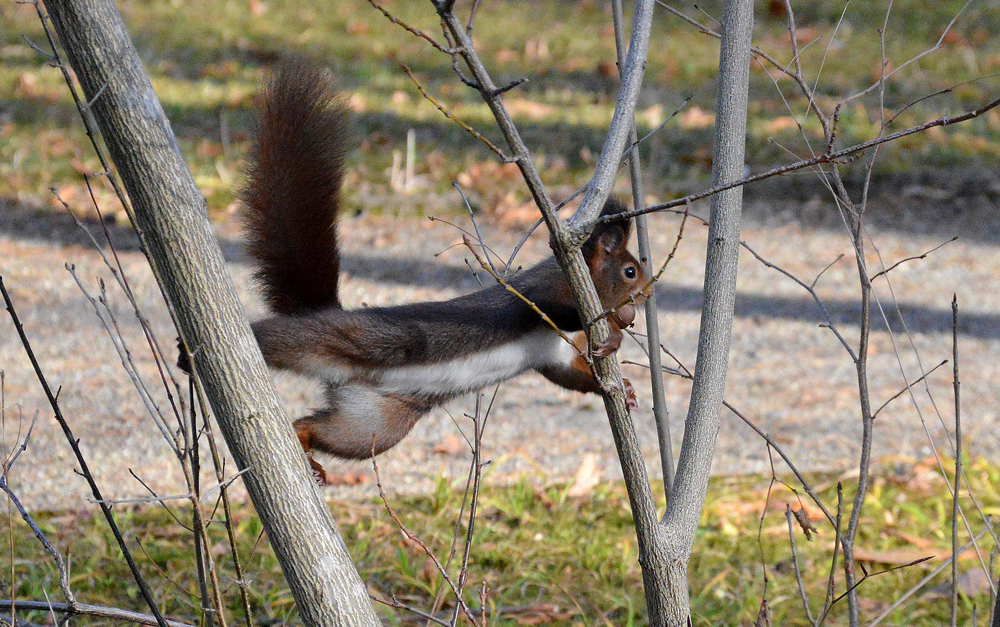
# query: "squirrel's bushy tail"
[[293, 190]]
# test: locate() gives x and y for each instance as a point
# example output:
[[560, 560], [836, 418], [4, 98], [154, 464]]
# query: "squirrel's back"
[[292, 193]]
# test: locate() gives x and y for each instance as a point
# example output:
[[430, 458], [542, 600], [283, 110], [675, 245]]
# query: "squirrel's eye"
[[630, 272]]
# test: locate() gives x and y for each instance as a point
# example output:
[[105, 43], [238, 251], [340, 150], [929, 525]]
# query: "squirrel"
[[385, 367]]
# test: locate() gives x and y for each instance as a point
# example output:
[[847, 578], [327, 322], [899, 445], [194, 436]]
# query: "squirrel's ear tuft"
[[610, 235]]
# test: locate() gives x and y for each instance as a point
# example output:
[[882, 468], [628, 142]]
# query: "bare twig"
[[661, 414], [958, 463], [757, 52], [831, 581], [448, 114], [811, 288], [825, 158], [64, 581], [413, 31], [795, 563], [902, 261], [459, 600], [879, 84], [479, 420], [85, 470], [907, 387], [393, 602], [217, 463], [925, 580], [86, 609]]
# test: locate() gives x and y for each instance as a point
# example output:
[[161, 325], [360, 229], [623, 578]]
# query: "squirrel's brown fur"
[[385, 367]]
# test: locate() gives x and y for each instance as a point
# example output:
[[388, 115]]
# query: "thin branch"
[[811, 288], [451, 116], [902, 261], [907, 388], [831, 582], [795, 564], [395, 603], [661, 414], [923, 582], [194, 384], [758, 52], [827, 157], [413, 31], [86, 609], [414, 538], [85, 470], [64, 582], [958, 464], [479, 420], [934, 48]]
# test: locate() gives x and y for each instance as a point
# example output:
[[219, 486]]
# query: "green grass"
[[208, 58], [561, 560]]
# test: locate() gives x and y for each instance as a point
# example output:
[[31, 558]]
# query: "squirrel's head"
[[619, 277]]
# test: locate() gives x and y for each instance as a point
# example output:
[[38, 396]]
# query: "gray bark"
[[172, 222], [691, 483]]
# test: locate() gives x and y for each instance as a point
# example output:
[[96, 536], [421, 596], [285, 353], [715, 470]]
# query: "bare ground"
[[788, 374]]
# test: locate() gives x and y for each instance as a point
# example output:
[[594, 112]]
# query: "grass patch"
[[548, 558], [206, 60]]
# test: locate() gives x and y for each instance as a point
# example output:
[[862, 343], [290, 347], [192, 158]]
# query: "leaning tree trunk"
[[172, 223]]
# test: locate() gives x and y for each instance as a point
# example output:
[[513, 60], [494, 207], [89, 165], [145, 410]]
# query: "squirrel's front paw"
[[610, 346]]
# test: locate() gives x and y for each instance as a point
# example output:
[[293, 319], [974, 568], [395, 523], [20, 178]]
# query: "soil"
[[789, 373]]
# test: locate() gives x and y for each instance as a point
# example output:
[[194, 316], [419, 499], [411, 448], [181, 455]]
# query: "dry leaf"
[[899, 557], [346, 478], [695, 118], [450, 445], [972, 583], [587, 477], [763, 614], [802, 516], [921, 543], [542, 614], [782, 123]]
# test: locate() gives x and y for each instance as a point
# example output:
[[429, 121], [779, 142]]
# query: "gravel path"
[[788, 374]]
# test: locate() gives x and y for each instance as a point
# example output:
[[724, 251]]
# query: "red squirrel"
[[386, 367]]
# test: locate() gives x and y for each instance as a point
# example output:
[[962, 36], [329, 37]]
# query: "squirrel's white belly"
[[478, 370]]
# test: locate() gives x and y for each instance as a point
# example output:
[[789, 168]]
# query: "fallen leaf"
[[921, 543], [872, 606], [587, 477], [971, 583], [346, 478], [695, 118], [899, 557], [541, 614], [450, 445]]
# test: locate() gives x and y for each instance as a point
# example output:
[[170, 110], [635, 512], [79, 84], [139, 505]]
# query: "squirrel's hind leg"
[[359, 419]]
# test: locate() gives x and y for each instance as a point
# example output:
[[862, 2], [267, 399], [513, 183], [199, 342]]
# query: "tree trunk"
[[172, 223], [723, 247]]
